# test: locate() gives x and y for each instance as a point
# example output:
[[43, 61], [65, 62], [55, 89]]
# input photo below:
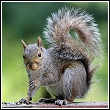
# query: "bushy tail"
[[59, 25], [84, 46]]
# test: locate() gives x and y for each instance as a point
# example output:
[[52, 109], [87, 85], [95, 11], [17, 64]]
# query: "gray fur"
[[65, 68]]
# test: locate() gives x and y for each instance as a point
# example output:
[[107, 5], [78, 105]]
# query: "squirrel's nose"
[[33, 66]]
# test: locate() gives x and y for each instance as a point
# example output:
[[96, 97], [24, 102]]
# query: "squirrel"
[[65, 68]]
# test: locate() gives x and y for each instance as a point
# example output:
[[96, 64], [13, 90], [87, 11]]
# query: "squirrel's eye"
[[39, 54]]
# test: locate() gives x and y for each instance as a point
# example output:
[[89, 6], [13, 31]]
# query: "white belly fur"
[[56, 89]]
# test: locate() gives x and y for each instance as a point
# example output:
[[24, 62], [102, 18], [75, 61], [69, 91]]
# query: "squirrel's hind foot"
[[61, 102], [46, 100], [56, 101]]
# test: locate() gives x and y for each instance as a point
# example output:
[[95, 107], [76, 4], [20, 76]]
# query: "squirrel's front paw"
[[24, 101], [33, 84]]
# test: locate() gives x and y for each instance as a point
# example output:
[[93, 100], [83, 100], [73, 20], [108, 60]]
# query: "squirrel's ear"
[[24, 44], [39, 42]]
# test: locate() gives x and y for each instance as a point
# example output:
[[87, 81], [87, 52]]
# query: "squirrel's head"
[[33, 55]]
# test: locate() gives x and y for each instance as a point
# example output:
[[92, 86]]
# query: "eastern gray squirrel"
[[65, 67]]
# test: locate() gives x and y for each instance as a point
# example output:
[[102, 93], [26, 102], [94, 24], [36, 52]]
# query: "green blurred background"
[[26, 20]]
